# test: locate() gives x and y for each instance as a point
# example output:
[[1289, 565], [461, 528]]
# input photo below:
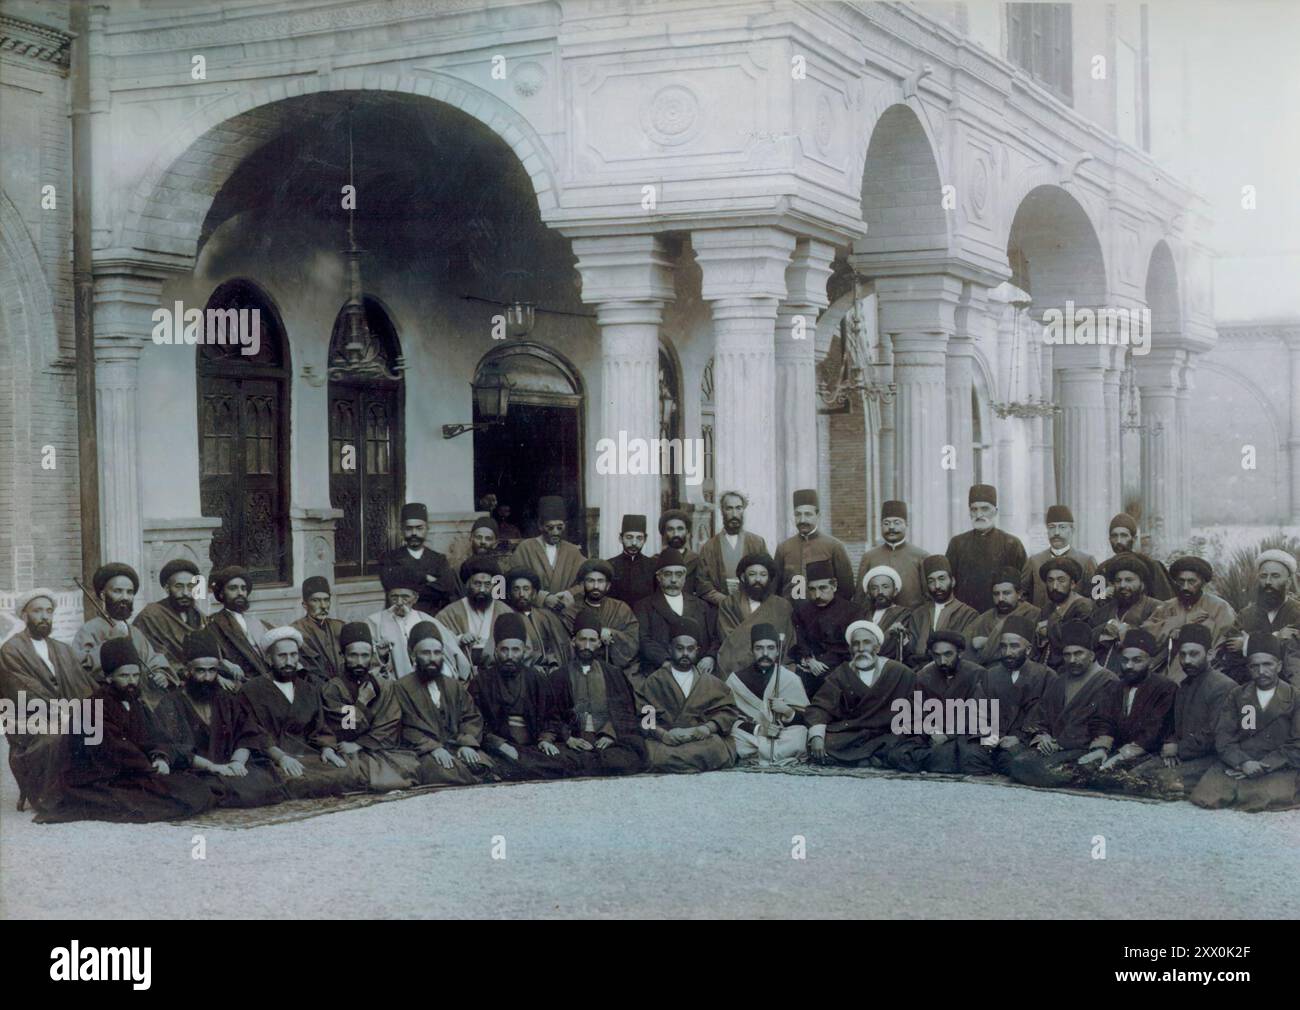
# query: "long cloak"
[[453, 723], [167, 628], [657, 625], [526, 697], [974, 558], [244, 650], [793, 556], [710, 700], [855, 720], [548, 639], [616, 615], [712, 573], [989, 626], [1214, 613], [97, 630], [1072, 723], [791, 746], [955, 616], [627, 754], [299, 729], [375, 727], [531, 554], [1272, 738], [435, 595], [321, 657], [386, 626], [456, 617], [906, 559], [1253, 620], [735, 621]]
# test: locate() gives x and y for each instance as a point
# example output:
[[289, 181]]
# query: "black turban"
[[111, 571], [423, 630], [355, 631], [201, 644], [596, 565], [1198, 566], [1111, 567], [955, 638], [1064, 563], [670, 515], [759, 558], [174, 567], [116, 653], [1019, 624], [218, 579], [515, 574]]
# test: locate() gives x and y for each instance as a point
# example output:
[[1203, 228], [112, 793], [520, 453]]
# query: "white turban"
[[883, 570], [870, 626], [1281, 557], [278, 634], [35, 594]]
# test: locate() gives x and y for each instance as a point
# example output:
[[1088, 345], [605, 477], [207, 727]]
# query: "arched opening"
[[244, 436]]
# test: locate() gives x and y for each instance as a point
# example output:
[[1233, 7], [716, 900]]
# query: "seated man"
[[471, 617], [1257, 738], [167, 622], [957, 685], [619, 634], [772, 701], [440, 721], [211, 732], [595, 713], [392, 627], [753, 601], [322, 659], [115, 588], [1192, 603], [1016, 682], [941, 612], [1188, 752], [985, 632], [850, 720], [1274, 612], [238, 632], [819, 625], [1064, 604], [1066, 720], [519, 726], [659, 615], [691, 712], [123, 775], [548, 639], [361, 710], [881, 587], [1128, 605], [288, 707]]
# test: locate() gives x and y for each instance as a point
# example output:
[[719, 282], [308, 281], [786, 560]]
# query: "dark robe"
[[560, 577], [453, 723], [616, 615], [167, 628], [976, 557], [37, 759], [713, 571], [527, 699], [959, 753], [1273, 739], [1197, 702], [627, 754], [709, 700], [1168, 617], [989, 627], [435, 595], [1150, 718], [115, 780], [320, 656], [1072, 608], [237, 646], [1162, 586], [819, 634], [735, 621], [1073, 721], [896, 646], [548, 639], [657, 625], [955, 616], [91, 637], [1253, 620], [230, 726], [634, 578], [857, 720], [1034, 589], [300, 730], [1138, 613], [375, 727], [795, 554], [1016, 699]]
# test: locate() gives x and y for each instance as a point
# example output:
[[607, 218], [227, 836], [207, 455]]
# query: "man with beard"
[[288, 707], [691, 711], [716, 580], [212, 733], [520, 726], [435, 580], [754, 601], [169, 621], [1274, 612], [115, 586], [507, 531], [985, 632], [957, 685], [620, 637], [1127, 606], [772, 701], [471, 619], [659, 616], [322, 657], [810, 546], [1062, 725], [238, 632], [819, 625], [675, 533], [483, 546], [880, 587], [392, 626], [1060, 538], [850, 719], [548, 640], [1017, 684], [633, 572], [982, 550], [362, 712], [943, 612], [440, 721], [554, 559], [35, 666], [1191, 605], [1257, 738], [1064, 604], [896, 553], [1188, 751], [595, 714], [124, 776], [1124, 540]]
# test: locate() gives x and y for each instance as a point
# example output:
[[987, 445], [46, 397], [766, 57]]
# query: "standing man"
[[943, 612], [238, 632], [1060, 538], [634, 573], [772, 702], [722, 552], [982, 550], [820, 623], [471, 618], [548, 640], [1128, 606], [1191, 604], [322, 657], [754, 601], [169, 621], [1124, 540], [393, 625], [675, 532], [554, 559], [435, 580], [659, 616], [1274, 612], [894, 551], [986, 630], [811, 545], [115, 586]]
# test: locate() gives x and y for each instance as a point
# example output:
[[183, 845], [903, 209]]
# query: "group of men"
[[543, 664]]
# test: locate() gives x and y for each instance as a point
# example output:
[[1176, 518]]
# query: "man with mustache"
[[1064, 604], [716, 576], [1017, 682], [620, 634], [435, 580], [753, 601], [1191, 604], [985, 632], [483, 544], [239, 633], [548, 639], [675, 533], [880, 589], [1062, 725], [1128, 606], [472, 618], [943, 612], [895, 552], [322, 658], [212, 733], [1275, 612], [115, 586], [554, 559], [125, 776], [819, 625], [1257, 738], [1060, 538], [659, 615], [1124, 540], [809, 546], [33, 665], [440, 721], [392, 627], [169, 621], [362, 712], [633, 572], [851, 717], [950, 677], [982, 550], [772, 700]]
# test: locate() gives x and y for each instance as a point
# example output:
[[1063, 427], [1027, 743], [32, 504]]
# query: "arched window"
[[365, 420], [243, 433]]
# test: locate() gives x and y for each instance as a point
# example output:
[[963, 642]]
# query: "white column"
[[1114, 474], [969, 319], [1293, 443], [1042, 432], [629, 279], [888, 446], [744, 281], [1158, 377], [1183, 472], [1080, 375]]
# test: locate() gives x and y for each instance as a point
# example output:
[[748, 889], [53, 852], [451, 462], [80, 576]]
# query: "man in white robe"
[[771, 699]]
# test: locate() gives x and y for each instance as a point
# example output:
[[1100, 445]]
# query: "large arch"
[[1162, 293], [1055, 250], [902, 187]]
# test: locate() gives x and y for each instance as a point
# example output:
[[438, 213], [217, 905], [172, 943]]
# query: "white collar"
[[286, 688], [685, 681], [1059, 554], [434, 693], [415, 554]]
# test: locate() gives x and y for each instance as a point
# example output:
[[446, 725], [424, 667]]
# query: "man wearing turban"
[[897, 553], [115, 586], [772, 701], [1192, 604], [1275, 611]]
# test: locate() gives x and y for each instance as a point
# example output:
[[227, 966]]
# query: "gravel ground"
[[716, 845]]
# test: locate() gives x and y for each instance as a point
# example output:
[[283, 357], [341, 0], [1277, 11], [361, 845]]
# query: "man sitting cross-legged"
[[771, 699], [950, 678], [1016, 682]]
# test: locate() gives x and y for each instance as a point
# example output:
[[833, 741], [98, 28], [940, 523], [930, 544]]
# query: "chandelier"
[[1034, 406]]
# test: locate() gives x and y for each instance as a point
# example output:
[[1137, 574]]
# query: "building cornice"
[[36, 42]]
